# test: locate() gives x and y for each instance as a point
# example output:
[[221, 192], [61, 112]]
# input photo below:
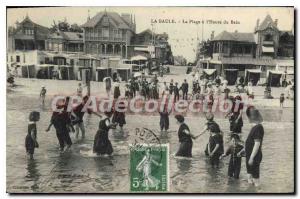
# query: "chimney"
[[276, 22], [17, 24], [88, 18], [212, 35], [257, 24]]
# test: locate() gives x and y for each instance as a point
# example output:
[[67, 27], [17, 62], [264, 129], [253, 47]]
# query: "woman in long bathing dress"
[[185, 138], [102, 144], [149, 181]]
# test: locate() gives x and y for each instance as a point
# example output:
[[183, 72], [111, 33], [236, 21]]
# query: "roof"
[[56, 35], [288, 32], [69, 36], [41, 31], [74, 36], [267, 22], [146, 31], [235, 36], [114, 18]]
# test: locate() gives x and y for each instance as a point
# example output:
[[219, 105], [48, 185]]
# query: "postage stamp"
[[149, 165]]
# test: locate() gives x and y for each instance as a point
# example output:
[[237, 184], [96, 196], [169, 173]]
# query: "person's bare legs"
[[81, 126], [77, 130], [250, 179]]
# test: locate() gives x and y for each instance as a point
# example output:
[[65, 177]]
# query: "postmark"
[[149, 166]]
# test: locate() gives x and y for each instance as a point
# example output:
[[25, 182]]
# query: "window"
[[119, 34], [115, 33], [105, 32], [18, 58], [268, 37], [28, 31]]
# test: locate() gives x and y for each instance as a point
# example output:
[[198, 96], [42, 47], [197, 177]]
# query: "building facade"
[[267, 48], [27, 36], [108, 34], [152, 45], [65, 42]]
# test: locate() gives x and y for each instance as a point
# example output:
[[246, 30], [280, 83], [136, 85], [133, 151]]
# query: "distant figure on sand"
[[185, 89], [281, 99], [79, 90], [108, 85], [43, 95], [31, 138], [117, 92]]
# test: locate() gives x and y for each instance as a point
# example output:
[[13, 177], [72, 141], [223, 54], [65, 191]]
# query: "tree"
[[54, 27], [75, 28], [11, 30], [63, 26]]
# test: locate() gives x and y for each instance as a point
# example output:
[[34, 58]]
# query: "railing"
[[105, 39]]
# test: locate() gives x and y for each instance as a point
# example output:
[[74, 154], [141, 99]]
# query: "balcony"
[[105, 39]]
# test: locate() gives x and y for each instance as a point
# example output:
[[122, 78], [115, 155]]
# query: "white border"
[[5, 3]]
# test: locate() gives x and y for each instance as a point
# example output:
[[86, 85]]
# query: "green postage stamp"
[[149, 168]]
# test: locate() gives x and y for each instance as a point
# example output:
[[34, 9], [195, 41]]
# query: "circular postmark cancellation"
[[148, 162]]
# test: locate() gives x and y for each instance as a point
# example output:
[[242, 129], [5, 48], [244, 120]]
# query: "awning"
[[254, 70], [46, 65], [268, 49], [276, 72], [101, 68], [139, 58], [137, 74], [123, 68], [209, 71]]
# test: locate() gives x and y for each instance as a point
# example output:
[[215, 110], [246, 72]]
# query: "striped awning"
[[268, 49]]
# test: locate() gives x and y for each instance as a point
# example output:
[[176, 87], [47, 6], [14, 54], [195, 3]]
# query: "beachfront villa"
[[265, 49]]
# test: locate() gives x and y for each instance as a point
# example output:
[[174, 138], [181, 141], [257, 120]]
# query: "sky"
[[183, 30]]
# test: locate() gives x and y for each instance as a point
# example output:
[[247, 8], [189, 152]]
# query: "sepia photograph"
[[143, 100]]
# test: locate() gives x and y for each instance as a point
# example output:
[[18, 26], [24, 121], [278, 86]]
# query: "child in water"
[[119, 115], [164, 119], [215, 146], [31, 139], [234, 150]]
